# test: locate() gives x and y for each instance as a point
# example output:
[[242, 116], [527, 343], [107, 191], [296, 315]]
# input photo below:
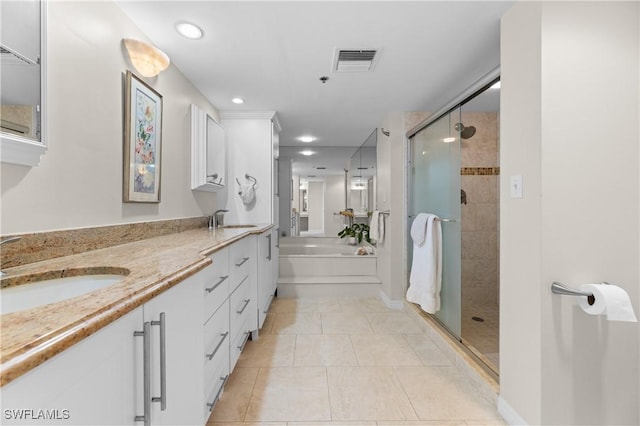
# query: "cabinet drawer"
[[237, 344], [216, 285], [241, 304], [214, 386], [216, 333], [241, 260]]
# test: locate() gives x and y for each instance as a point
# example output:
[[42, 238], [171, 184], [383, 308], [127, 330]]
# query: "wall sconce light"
[[147, 59]]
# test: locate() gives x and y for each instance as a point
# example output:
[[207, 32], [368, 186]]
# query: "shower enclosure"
[[453, 173]]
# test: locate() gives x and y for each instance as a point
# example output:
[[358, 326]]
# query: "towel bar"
[[440, 219]]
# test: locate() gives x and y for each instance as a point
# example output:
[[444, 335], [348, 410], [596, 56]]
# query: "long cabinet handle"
[[217, 398], [246, 303], [212, 354], [146, 367], [216, 285], [244, 259], [269, 255], [244, 341], [162, 399]]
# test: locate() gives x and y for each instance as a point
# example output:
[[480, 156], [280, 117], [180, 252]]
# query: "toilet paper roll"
[[610, 300]]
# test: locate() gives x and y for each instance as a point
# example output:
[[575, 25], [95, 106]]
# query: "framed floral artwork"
[[142, 141]]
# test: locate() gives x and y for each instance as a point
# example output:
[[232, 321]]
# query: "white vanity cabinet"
[[266, 282], [208, 152], [182, 346], [164, 363], [101, 380], [242, 300], [93, 382], [216, 329]]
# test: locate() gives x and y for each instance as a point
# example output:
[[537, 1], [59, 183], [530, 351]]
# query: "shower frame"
[[473, 91]]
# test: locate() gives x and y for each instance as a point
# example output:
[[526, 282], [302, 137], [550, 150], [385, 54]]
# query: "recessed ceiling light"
[[307, 152], [306, 139], [495, 85], [449, 140], [237, 101], [189, 30]]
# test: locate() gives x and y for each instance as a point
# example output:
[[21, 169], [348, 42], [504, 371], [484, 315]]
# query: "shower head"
[[465, 132]]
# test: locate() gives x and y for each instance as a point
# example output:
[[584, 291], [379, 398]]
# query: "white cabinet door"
[[266, 290], [183, 348], [93, 382]]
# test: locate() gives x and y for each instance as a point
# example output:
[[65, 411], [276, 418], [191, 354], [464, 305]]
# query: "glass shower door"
[[434, 187]]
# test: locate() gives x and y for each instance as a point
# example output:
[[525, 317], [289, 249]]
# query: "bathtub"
[[325, 267]]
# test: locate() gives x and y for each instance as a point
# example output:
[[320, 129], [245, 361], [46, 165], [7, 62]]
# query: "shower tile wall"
[[479, 179]]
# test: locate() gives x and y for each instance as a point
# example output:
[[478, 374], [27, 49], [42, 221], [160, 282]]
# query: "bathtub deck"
[[329, 285], [323, 267]]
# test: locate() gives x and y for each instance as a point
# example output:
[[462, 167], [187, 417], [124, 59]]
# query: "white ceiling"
[[273, 54]]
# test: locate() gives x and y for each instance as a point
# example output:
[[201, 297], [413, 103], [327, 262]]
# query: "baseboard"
[[508, 413], [391, 304]]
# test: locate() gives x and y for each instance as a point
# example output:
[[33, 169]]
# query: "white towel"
[[247, 194], [376, 227], [425, 279]]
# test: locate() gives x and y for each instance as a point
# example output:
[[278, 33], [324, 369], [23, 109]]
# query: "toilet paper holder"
[[559, 288]]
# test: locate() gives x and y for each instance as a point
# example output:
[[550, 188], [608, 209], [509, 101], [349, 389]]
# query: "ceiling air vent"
[[345, 60]]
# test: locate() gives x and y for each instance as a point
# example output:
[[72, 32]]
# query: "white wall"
[[316, 206], [284, 183], [79, 180], [390, 195], [250, 147], [570, 119], [333, 203]]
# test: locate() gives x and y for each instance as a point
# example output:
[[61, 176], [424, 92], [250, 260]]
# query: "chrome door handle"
[[217, 398], [212, 354], [244, 341], [146, 367], [162, 399], [244, 259], [246, 303], [216, 285]]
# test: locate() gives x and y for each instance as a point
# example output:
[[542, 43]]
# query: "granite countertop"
[[32, 336]]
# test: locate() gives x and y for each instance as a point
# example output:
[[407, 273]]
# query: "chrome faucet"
[[8, 240], [217, 219]]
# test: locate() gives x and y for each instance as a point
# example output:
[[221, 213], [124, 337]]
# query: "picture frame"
[[142, 142]]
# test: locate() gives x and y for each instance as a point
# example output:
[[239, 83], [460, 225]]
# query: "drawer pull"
[[266, 309], [244, 341], [217, 398], [162, 399], [146, 366], [244, 260], [212, 354], [216, 285], [246, 303]]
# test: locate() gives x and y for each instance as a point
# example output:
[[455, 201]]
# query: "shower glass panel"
[[434, 186]]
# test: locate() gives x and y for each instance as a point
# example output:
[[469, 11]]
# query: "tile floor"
[[483, 336], [347, 361]]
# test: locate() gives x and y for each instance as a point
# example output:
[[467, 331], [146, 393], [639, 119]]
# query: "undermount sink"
[[31, 295], [239, 226]]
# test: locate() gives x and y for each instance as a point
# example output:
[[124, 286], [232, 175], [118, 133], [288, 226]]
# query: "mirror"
[[321, 186], [362, 175], [208, 152], [216, 153], [22, 74]]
